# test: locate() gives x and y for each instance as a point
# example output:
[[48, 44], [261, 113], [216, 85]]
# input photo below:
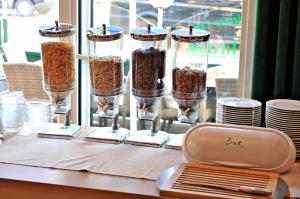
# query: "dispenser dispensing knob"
[[115, 123], [154, 128], [104, 29], [191, 29], [56, 25]]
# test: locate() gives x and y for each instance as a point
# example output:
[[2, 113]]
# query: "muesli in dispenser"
[[107, 75]]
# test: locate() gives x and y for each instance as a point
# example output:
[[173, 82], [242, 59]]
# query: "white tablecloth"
[[121, 160]]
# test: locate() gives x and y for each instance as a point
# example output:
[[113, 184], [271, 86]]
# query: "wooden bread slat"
[[219, 176]]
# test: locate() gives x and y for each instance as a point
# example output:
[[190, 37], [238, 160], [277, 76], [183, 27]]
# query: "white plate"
[[280, 115], [288, 129], [280, 118], [237, 115], [296, 136], [238, 112], [283, 124], [269, 110], [237, 120], [282, 121], [280, 125], [284, 104], [241, 121], [250, 110], [237, 123], [239, 108], [255, 123], [239, 102], [284, 130], [231, 114]]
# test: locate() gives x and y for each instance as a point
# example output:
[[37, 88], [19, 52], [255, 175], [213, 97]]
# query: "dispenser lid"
[[148, 33], [104, 33], [190, 35], [57, 30]]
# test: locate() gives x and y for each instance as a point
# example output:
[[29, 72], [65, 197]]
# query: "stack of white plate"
[[284, 115], [240, 111]]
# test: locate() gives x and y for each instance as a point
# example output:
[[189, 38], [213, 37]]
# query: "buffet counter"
[[72, 179], [19, 182], [33, 182]]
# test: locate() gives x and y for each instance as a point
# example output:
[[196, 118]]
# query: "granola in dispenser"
[[106, 75], [58, 65]]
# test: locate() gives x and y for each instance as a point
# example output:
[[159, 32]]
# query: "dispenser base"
[[175, 141], [59, 131], [108, 135], [144, 138]]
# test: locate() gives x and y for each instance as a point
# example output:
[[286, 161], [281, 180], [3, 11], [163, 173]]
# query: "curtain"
[[276, 64]]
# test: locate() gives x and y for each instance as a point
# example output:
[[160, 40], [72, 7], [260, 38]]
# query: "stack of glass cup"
[[12, 112], [107, 76]]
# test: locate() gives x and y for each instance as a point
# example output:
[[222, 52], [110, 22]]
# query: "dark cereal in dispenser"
[[148, 70], [187, 80]]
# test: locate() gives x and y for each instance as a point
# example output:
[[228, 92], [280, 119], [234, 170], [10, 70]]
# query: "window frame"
[[245, 63], [247, 48]]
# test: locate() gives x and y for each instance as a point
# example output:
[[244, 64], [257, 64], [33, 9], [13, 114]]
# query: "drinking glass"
[[37, 112], [11, 111]]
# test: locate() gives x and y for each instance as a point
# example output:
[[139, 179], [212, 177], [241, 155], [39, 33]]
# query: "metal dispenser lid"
[[104, 33], [148, 33], [190, 35], [58, 30]]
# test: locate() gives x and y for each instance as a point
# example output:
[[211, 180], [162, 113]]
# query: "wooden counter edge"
[[19, 182]]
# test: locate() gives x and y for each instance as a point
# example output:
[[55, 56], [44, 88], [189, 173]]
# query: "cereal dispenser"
[[58, 56], [190, 52], [148, 80], [106, 75]]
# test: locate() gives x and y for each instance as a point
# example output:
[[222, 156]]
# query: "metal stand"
[[60, 131], [152, 137], [113, 134], [175, 141]]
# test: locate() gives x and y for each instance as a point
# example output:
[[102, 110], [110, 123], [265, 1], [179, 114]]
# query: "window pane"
[[115, 13], [222, 18], [23, 19]]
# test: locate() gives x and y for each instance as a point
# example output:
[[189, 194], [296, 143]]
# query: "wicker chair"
[[25, 77]]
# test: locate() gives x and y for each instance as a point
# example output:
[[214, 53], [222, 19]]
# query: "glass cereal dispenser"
[[58, 56], [148, 63], [106, 75], [190, 52]]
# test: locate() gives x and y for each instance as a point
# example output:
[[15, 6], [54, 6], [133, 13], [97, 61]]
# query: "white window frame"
[[247, 48], [68, 14]]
